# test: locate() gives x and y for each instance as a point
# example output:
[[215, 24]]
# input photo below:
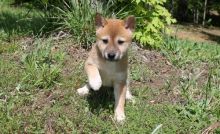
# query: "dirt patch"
[[161, 69], [77, 53], [196, 33], [163, 77]]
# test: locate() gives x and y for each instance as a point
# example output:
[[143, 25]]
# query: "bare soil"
[[196, 33]]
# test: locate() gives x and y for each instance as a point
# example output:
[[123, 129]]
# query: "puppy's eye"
[[120, 42], [105, 41]]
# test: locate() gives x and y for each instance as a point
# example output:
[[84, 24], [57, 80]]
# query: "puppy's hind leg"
[[129, 96], [120, 94]]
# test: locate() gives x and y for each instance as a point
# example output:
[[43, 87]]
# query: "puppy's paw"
[[95, 83], [130, 97], [83, 91], [119, 117]]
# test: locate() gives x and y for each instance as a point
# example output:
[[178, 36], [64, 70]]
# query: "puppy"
[[107, 64]]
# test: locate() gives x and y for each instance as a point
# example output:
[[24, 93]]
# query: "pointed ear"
[[130, 23], [99, 21]]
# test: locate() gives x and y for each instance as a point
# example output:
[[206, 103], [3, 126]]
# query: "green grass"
[[200, 79], [182, 53], [42, 66], [25, 20], [39, 80]]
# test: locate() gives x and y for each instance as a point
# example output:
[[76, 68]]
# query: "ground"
[[197, 33], [176, 88]]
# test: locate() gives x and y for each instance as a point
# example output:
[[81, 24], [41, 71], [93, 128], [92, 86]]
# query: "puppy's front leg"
[[120, 94], [95, 81]]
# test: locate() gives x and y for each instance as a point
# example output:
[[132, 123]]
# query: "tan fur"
[[102, 68]]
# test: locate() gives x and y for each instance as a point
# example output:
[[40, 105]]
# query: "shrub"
[[152, 19], [78, 18]]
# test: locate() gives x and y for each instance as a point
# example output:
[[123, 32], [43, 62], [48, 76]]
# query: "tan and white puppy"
[[107, 64]]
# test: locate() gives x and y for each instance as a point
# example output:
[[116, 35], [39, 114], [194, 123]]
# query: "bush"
[[78, 18], [152, 18]]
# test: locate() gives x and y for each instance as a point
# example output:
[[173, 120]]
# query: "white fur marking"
[[120, 38], [128, 95], [105, 37], [95, 83], [119, 116], [83, 91]]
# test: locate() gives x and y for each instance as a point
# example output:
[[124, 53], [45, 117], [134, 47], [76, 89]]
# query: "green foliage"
[[78, 18], [152, 22], [152, 18], [42, 66]]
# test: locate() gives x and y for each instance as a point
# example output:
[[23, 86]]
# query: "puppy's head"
[[114, 36]]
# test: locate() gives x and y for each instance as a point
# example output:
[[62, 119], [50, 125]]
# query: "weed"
[[79, 19], [201, 98], [183, 52], [42, 65]]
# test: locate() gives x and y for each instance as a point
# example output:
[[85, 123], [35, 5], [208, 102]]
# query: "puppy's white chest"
[[110, 75]]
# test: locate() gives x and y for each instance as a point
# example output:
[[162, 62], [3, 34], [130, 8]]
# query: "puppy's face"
[[114, 36]]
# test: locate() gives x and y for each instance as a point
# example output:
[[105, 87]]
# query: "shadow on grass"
[[15, 23], [101, 99]]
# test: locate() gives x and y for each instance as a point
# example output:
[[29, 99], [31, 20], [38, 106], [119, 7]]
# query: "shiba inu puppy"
[[107, 64]]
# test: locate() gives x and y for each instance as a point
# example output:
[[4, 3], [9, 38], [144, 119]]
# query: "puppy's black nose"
[[111, 56]]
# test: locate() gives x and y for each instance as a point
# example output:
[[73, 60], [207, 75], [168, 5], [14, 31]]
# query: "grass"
[[42, 65], [199, 82], [58, 107], [17, 22], [78, 18], [182, 53], [39, 82]]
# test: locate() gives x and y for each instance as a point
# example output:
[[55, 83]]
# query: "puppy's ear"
[[130, 23], [99, 21]]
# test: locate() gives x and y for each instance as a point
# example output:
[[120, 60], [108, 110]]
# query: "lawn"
[[176, 88]]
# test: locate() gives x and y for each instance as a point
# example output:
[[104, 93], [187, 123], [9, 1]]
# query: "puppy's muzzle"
[[111, 56]]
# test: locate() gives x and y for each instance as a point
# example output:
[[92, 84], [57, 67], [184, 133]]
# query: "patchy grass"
[[183, 52], [42, 66], [57, 108], [199, 82], [177, 90]]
